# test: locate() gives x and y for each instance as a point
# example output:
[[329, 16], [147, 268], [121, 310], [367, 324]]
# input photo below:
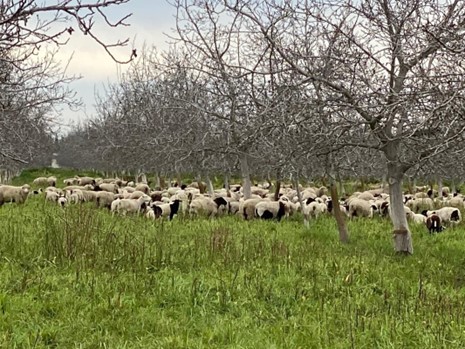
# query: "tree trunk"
[[341, 222], [402, 236], [210, 189], [342, 190], [157, 181], [278, 186], [226, 181], [452, 186], [246, 184], [440, 188]]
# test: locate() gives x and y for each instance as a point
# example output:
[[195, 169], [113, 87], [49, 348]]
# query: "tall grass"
[[81, 278]]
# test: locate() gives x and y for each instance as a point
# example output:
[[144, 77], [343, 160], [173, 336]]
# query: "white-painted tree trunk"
[[210, 188], [402, 237], [246, 184]]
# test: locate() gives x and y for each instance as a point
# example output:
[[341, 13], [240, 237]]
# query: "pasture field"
[[81, 278]]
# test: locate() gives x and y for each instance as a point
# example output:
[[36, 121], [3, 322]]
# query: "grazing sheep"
[[109, 187], [247, 208], [36, 192], [314, 209], [51, 196], [447, 214], [367, 196], [416, 217], [203, 205], [62, 201], [45, 181], [433, 223], [361, 208], [9, 193], [272, 209], [456, 201], [86, 180], [136, 194], [104, 199], [124, 206], [418, 204], [166, 210], [70, 181], [142, 187]]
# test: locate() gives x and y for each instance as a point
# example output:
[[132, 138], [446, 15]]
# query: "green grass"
[[80, 278]]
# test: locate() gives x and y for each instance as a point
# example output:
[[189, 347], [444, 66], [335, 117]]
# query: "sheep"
[[89, 196], [124, 206], [109, 187], [456, 201], [166, 210], [343, 208], [45, 181], [62, 201], [422, 203], [433, 223], [247, 208], [234, 207], [366, 195], [204, 205], [314, 209], [142, 187], [416, 217], [76, 196], [51, 196], [104, 199], [136, 194], [70, 181], [86, 180], [36, 192], [272, 209], [361, 208], [447, 214], [9, 193]]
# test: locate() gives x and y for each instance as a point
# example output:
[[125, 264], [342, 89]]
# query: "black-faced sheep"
[[166, 210], [447, 214], [433, 223], [272, 209], [11, 193]]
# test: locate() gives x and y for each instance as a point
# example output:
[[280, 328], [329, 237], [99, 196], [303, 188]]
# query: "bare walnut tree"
[[391, 68], [33, 85]]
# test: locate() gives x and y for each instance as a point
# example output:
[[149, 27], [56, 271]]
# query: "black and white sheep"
[[166, 210], [447, 214], [272, 209], [433, 223]]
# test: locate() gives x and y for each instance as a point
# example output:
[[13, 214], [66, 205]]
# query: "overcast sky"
[[149, 20]]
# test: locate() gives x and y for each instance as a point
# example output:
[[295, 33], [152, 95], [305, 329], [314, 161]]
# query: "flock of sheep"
[[424, 206]]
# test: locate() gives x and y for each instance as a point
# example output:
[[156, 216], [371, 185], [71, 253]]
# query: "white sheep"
[[104, 199], [9, 193], [361, 208], [203, 205], [124, 206]]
